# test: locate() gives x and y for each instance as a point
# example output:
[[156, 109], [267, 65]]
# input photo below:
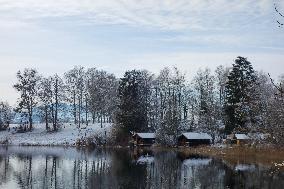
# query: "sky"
[[118, 35]]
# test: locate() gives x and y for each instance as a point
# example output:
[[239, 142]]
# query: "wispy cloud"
[[163, 14]]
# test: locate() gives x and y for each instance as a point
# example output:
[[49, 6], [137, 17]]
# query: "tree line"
[[223, 101], [86, 94]]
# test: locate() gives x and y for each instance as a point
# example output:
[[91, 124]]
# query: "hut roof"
[[241, 137], [146, 135], [197, 136]]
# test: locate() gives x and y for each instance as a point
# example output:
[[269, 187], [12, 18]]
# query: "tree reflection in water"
[[53, 167]]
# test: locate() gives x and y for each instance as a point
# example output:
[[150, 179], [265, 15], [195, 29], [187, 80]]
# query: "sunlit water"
[[56, 167]]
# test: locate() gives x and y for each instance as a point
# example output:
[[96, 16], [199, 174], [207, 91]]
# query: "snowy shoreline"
[[68, 135]]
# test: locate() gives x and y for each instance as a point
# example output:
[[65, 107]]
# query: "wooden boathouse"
[[194, 139], [144, 139]]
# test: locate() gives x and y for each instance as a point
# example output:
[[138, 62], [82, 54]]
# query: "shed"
[[238, 138], [144, 139], [241, 138], [193, 139]]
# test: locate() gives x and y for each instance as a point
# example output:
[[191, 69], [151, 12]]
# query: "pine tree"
[[240, 95], [133, 104]]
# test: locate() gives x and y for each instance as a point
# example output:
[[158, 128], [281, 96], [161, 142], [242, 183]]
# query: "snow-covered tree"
[[133, 93], [275, 113], [206, 99], [45, 98], [241, 96], [27, 84], [58, 96], [265, 90], [5, 115], [51, 92], [172, 105], [102, 90], [111, 96], [76, 86], [91, 105], [221, 78]]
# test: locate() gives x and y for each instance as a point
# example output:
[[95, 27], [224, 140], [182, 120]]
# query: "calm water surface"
[[55, 167]]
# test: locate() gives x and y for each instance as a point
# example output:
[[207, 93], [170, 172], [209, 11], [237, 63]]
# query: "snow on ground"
[[67, 135]]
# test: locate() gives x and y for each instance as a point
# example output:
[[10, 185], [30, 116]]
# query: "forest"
[[220, 102]]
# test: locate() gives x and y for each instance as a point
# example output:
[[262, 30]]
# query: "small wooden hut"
[[238, 139], [241, 139], [194, 139], [144, 139]]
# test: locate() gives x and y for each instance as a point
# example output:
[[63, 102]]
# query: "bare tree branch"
[[279, 88], [278, 11], [280, 24]]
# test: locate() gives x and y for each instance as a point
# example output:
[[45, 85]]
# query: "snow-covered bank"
[[67, 135]]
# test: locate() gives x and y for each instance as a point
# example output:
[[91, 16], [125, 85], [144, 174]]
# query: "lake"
[[58, 167]]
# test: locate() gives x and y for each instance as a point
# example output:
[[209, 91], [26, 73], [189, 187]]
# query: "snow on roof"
[[146, 135], [192, 135], [241, 136]]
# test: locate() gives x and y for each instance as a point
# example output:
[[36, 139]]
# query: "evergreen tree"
[[240, 95], [134, 88]]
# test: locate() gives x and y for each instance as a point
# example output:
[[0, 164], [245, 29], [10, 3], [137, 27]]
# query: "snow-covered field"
[[67, 135]]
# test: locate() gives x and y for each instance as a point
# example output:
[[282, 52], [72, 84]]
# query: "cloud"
[[162, 14]]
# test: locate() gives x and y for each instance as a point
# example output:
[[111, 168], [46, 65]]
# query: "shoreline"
[[268, 152], [266, 156]]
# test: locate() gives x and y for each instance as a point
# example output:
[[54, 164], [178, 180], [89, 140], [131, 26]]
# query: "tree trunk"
[[31, 118], [86, 109], [46, 118], [101, 119], [79, 112], [52, 114], [74, 107], [162, 113], [56, 105], [94, 117]]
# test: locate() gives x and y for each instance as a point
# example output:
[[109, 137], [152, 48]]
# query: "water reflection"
[[53, 167]]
